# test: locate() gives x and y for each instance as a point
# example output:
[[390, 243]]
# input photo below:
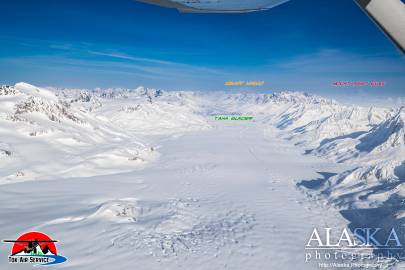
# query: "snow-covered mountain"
[[369, 185], [371, 140], [79, 132], [142, 110], [380, 156], [63, 133]]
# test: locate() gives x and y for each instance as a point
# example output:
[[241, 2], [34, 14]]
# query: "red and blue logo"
[[34, 248]]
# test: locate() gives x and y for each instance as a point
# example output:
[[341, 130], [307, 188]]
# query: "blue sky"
[[300, 45]]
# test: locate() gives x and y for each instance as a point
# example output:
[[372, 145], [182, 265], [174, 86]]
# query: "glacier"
[[155, 181]]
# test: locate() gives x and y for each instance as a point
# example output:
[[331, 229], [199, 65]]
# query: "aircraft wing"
[[216, 6], [389, 15]]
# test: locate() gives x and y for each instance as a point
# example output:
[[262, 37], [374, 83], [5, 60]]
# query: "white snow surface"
[[147, 178]]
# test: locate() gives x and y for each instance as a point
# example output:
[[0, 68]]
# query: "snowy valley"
[[155, 181]]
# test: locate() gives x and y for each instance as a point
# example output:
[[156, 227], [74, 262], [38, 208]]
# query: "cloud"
[[339, 62], [70, 71], [131, 58], [98, 57], [104, 65], [160, 64]]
